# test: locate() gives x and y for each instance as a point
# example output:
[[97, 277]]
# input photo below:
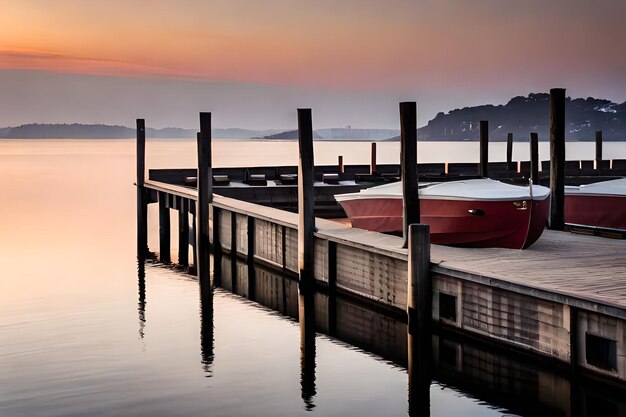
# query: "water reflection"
[[207, 337], [141, 304], [512, 381], [307, 347]]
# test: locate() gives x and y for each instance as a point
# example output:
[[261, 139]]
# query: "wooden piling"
[[557, 158], [599, 152], [373, 158], [306, 228], [183, 233], [509, 152], [534, 157], [419, 312], [142, 198], [205, 188], [408, 166], [164, 229], [306, 202], [484, 149]]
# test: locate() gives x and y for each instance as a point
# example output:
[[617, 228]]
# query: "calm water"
[[80, 335]]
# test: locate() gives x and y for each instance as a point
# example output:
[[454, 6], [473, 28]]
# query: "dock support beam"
[[306, 228], [599, 152], [509, 152], [142, 198], [183, 233], [534, 157], [164, 229], [205, 191], [557, 158], [373, 159], [408, 166], [484, 149], [419, 312]]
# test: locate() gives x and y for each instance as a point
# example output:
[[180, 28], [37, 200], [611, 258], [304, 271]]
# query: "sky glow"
[[443, 53]]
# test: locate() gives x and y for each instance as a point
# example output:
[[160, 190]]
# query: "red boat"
[[475, 213], [602, 204]]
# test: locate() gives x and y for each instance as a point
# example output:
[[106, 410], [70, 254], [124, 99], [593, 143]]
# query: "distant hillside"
[[99, 131], [340, 133], [522, 115], [290, 134]]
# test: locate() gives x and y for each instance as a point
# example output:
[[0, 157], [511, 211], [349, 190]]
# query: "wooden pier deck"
[[563, 293], [562, 299]]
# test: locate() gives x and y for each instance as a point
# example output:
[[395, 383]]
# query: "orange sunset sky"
[[253, 62]]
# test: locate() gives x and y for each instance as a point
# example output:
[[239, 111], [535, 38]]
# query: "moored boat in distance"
[[601, 204], [473, 213]]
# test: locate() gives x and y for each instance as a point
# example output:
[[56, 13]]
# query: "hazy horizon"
[[253, 65]]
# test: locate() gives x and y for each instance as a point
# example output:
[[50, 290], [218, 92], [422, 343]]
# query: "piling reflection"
[[141, 304], [509, 380], [307, 347], [207, 335], [419, 350]]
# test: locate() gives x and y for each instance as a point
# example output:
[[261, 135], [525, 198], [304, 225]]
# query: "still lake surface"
[[82, 335]]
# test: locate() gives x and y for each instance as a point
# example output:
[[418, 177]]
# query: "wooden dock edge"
[[587, 333]]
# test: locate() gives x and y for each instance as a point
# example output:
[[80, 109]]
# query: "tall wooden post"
[[557, 158], [509, 152], [306, 202], [142, 198], [373, 158], [599, 152], [534, 157], [183, 233], [483, 170], [306, 228], [164, 229], [419, 312], [205, 191], [408, 166]]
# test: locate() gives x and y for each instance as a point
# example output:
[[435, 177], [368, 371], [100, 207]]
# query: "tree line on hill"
[[520, 116]]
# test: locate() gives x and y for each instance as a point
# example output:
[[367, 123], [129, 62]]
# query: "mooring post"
[[340, 164], [534, 157], [557, 158], [599, 152], [306, 203], [408, 166], [205, 188], [164, 229], [306, 228], [509, 152], [419, 312], [142, 198], [183, 233], [483, 170], [373, 158]]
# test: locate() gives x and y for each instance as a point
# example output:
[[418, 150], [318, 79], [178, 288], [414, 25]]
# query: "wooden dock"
[[561, 299], [548, 299]]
